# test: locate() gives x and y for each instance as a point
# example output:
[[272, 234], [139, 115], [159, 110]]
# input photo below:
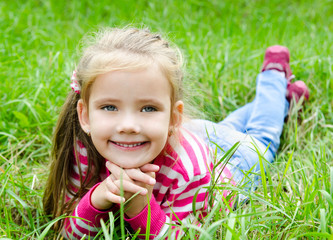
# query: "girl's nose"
[[128, 124]]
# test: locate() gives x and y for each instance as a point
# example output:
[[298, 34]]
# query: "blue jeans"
[[258, 123]]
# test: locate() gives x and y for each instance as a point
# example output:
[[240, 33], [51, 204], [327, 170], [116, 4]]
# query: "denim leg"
[[237, 120], [270, 107]]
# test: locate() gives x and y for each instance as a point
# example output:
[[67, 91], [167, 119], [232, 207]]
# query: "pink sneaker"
[[297, 90], [277, 57]]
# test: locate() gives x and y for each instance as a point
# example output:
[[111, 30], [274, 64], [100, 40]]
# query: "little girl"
[[121, 137]]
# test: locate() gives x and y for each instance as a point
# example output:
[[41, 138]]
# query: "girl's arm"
[[85, 219]]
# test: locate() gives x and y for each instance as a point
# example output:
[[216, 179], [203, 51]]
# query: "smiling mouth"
[[131, 145]]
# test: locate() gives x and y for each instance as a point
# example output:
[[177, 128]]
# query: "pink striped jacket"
[[185, 168]]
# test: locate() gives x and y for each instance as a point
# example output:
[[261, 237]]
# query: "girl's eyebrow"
[[150, 100], [105, 99], [116, 100]]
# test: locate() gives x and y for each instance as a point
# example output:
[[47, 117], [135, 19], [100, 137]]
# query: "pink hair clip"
[[75, 84]]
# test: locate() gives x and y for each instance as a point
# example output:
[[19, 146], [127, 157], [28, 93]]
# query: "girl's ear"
[[177, 114], [82, 112]]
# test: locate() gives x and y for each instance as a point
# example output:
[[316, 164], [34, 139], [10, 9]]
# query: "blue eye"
[[149, 109], [110, 108]]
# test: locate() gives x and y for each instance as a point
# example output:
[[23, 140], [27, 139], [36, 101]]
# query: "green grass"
[[224, 43]]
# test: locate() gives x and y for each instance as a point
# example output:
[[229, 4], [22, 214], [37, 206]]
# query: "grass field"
[[224, 44]]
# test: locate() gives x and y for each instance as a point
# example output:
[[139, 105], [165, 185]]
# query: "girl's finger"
[[117, 171], [130, 187], [116, 191], [111, 186], [138, 175], [150, 168], [112, 177], [134, 174], [114, 198]]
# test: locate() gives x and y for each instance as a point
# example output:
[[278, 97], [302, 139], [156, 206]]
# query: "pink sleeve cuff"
[[157, 219], [87, 211]]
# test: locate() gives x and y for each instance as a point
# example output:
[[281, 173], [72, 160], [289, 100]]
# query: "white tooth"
[[128, 145]]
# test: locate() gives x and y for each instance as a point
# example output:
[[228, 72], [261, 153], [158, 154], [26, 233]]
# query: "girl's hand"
[[143, 177], [139, 202], [108, 192]]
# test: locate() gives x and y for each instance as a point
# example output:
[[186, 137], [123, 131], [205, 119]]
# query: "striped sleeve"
[[85, 219]]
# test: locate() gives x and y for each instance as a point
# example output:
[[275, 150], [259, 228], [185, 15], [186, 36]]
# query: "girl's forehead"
[[152, 71], [149, 71], [140, 81]]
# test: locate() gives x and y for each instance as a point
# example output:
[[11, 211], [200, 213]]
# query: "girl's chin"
[[125, 164], [126, 161]]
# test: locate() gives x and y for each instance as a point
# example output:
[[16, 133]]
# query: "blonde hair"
[[108, 50]]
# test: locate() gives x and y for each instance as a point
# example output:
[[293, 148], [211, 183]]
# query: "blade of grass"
[[328, 197], [285, 172], [49, 225], [323, 223], [331, 182], [23, 204], [122, 214], [106, 234], [231, 226], [263, 176], [148, 219]]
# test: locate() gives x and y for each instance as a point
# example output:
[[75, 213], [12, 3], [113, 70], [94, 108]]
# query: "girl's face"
[[130, 115]]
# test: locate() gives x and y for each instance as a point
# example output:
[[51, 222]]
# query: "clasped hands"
[[135, 180]]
